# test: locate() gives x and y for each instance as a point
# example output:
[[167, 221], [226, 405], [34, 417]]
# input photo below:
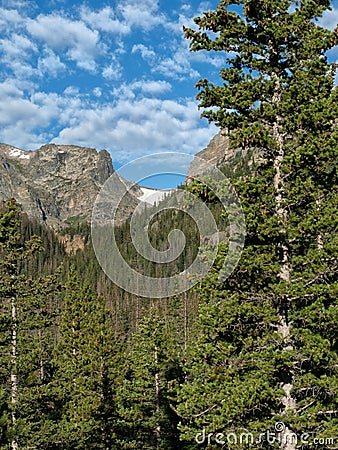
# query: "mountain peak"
[[57, 184]]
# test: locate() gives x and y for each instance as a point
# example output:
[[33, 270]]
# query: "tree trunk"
[[320, 243], [186, 322], [287, 442], [14, 376], [157, 401]]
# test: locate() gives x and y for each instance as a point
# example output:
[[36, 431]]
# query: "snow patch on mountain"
[[16, 153], [153, 196]]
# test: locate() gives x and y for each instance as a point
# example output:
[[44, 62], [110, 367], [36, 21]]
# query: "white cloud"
[[147, 53], [176, 66], [183, 20], [72, 91], [124, 91], [10, 18], [50, 105], [205, 6], [143, 14], [152, 87], [104, 20], [134, 127], [23, 71], [213, 58], [18, 4], [17, 54], [9, 90], [114, 70], [144, 87], [24, 120], [19, 116], [61, 34], [138, 120], [17, 46], [111, 72], [128, 126], [329, 19], [97, 92], [51, 64], [186, 7]]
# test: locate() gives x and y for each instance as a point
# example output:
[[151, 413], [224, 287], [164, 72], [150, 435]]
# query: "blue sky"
[[116, 75]]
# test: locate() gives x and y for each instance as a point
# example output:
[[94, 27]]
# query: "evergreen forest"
[[249, 362]]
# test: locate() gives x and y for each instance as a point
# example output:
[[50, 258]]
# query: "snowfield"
[[153, 196]]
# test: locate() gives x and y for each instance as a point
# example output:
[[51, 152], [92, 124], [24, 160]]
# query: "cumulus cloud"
[[17, 55], [329, 19], [176, 66], [51, 64], [114, 70], [9, 90], [84, 40], [134, 127], [20, 116], [152, 87], [18, 4], [61, 34], [17, 45], [142, 88], [97, 92], [147, 53], [104, 20], [25, 119], [127, 127], [142, 14], [112, 86], [72, 91], [10, 18]]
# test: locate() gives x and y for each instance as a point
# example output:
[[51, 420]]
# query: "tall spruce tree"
[[267, 350], [81, 380], [26, 333], [145, 419]]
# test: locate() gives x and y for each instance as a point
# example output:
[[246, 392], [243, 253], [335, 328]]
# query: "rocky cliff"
[[237, 163], [56, 184], [217, 152]]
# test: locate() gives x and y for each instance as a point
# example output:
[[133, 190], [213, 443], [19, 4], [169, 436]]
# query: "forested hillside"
[[244, 362]]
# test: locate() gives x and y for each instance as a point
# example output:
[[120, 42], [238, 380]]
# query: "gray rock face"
[[57, 184], [217, 153]]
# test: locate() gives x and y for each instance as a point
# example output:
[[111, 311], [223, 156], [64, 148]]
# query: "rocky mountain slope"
[[237, 163], [57, 184], [217, 152]]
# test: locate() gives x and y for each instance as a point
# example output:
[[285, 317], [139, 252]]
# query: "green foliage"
[[26, 329], [201, 190], [145, 419], [267, 47], [82, 371], [80, 382], [267, 328]]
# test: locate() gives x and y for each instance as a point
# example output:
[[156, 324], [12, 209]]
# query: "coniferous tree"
[[26, 331], [266, 350], [81, 383], [145, 419]]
